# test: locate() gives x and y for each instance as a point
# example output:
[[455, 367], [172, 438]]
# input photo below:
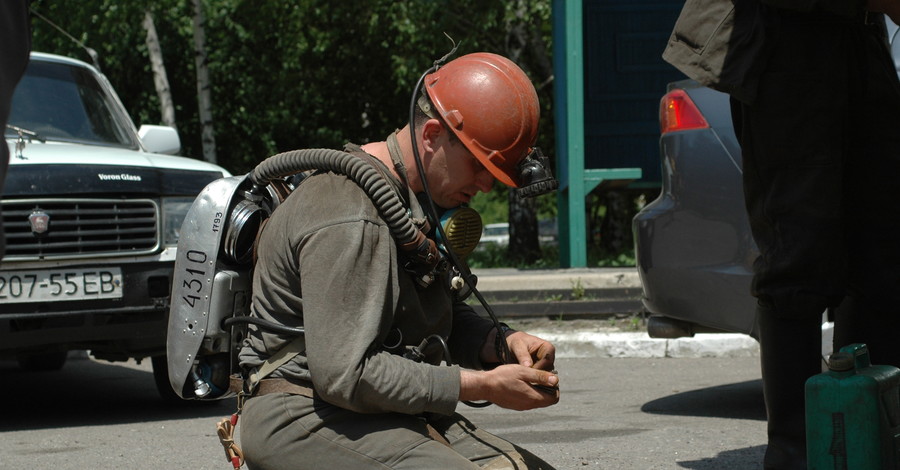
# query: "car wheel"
[[161, 378], [42, 362]]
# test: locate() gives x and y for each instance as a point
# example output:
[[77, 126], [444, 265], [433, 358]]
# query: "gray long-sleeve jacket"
[[327, 262]]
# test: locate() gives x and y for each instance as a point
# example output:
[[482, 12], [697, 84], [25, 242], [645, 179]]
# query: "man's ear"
[[431, 133]]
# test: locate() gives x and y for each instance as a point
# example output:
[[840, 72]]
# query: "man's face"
[[454, 174]]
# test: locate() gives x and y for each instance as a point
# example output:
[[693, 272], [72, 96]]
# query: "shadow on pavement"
[[739, 459], [87, 393], [742, 400]]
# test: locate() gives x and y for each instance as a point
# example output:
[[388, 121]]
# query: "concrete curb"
[[557, 293], [583, 343], [605, 285], [519, 280], [640, 345]]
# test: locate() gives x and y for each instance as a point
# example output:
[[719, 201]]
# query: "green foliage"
[[493, 256], [307, 73], [492, 206], [598, 257], [286, 74], [578, 290]]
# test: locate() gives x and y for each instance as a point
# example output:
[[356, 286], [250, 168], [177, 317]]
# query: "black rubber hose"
[[368, 178], [271, 326]]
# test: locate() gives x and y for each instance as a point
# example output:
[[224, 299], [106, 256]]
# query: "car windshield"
[[66, 103]]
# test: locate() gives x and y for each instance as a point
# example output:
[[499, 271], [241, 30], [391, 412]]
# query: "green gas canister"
[[853, 414]]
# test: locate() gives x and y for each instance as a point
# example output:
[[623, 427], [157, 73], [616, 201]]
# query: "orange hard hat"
[[491, 105]]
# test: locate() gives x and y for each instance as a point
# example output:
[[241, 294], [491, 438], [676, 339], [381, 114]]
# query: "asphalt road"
[[615, 413], [643, 414]]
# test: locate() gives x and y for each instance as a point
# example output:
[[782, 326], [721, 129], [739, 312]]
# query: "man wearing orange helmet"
[[366, 389]]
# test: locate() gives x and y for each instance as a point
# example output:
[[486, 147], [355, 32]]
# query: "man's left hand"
[[531, 351]]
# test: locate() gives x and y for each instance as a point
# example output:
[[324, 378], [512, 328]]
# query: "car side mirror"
[[160, 139]]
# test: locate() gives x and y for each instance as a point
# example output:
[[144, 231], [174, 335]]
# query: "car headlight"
[[174, 209]]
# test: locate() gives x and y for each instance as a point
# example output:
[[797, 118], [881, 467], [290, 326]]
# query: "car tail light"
[[677, 113]]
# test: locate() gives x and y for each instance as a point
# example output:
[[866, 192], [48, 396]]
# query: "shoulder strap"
[[285, 354], [418, 215]]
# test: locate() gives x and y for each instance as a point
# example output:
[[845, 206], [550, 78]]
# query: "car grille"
[[80, 228]]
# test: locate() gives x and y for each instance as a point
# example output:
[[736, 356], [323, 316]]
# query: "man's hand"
[[531, 351], [527, 350], [510, 386], [527, 385]]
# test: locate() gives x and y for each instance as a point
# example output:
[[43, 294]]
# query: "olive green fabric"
[[327, 262], [281, 431]]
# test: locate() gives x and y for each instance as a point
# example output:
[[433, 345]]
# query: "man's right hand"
[[510, 386]]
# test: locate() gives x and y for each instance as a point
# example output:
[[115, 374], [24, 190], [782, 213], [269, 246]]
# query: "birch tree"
[[204, 102], [160, 79]]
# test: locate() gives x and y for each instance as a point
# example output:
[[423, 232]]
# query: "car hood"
[[56, 168], [63, 153]]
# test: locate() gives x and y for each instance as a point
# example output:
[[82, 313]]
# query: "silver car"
[[694, 250]]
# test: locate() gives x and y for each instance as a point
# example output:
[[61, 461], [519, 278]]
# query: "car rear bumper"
[[694, 251]]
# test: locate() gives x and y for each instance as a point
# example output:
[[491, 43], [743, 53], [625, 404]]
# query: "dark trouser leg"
[[795, 146], [15, 44], [821, 158], [789, 354], [871, 314]]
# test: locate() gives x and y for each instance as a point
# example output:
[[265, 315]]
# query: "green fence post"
[[568, 67]]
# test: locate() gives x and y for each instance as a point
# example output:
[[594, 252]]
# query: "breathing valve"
[[201, 388]]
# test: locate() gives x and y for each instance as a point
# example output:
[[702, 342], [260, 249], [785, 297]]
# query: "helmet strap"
[[425, 105]]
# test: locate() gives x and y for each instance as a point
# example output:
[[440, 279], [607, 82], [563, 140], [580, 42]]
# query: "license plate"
[[60, 285]]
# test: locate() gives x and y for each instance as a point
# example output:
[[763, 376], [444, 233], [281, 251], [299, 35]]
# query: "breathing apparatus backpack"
[[211, 289]]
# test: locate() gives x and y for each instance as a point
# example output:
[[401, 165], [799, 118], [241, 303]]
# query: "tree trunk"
[[615, 229], [523, 229], [523, 224], [160, 79], [208, 136]]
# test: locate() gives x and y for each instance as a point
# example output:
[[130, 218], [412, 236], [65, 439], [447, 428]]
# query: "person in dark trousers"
[[816, 108], [352, 396], [15, 46]]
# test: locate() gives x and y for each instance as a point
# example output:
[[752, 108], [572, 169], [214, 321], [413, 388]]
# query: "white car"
[[497, 234], [92, 210]]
